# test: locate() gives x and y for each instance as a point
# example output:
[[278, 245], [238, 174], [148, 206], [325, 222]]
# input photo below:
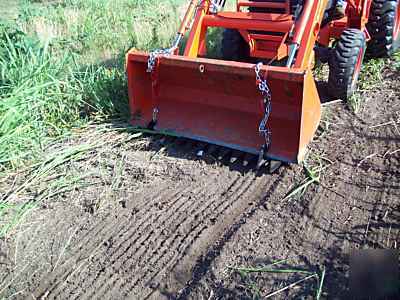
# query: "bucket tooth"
[[247, 159], [200, 149], [234, 157], [273, 166], [260, 163], [224, 152], [200, 153], [261, 159]]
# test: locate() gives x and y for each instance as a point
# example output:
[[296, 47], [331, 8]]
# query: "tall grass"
[[98, 29], [62, 65], [43, 95]]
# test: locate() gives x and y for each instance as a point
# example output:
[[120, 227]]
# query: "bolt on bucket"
[[219, 102]]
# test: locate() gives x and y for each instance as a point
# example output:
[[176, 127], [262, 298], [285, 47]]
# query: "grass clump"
[[62, 66], [97, 29], [42, 95], [397, 61], [371, 78], [278, 268]]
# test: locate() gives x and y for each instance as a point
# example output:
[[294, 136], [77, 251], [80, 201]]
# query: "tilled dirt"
[[355, 206], [150, 240], [148, 219]]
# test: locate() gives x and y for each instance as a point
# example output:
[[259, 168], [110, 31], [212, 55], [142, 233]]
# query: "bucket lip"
[[293, 74], [168, 132]]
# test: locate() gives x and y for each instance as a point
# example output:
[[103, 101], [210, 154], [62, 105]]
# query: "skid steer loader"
[[261, 98]]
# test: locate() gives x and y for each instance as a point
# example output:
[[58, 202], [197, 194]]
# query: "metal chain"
[[267, 96], [151, 65], [216, 6], [153, 57]]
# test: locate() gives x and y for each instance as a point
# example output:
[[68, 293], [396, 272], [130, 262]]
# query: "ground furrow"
[[195, 231]]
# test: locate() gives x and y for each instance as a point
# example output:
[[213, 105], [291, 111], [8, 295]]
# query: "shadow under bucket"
[[218, 102]]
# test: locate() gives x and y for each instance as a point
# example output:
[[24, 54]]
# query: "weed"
[[313, 175], [397, 61], [355, 102], [371, 74], [62, 65], [370, 78], [43, 97], [274, 269], [15, 212]]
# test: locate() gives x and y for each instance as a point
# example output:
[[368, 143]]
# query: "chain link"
[[151, 65], [153, 57], [267, 96], [216, 6]]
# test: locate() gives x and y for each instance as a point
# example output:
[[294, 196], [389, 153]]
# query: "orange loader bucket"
[[218, 102]]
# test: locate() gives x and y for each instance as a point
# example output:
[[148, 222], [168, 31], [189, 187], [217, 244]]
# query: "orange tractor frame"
[[270, 108]]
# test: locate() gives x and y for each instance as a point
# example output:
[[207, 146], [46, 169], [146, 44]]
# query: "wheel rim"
[[396, 29], [357, 69]]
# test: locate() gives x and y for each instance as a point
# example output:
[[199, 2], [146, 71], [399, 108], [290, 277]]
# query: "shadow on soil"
[[335, 261], [115, 92]]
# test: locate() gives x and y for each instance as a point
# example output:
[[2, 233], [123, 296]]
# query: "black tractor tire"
[[345, 63], [383, 26], [234, 47]]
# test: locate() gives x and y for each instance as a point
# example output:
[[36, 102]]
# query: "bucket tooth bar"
[[219, 102]]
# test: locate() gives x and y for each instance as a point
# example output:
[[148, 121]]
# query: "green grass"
[[8, 10], [371, 77], [278, 268], [97, 29], [313, 166], [397, 61], [13, 214], [62, 65]]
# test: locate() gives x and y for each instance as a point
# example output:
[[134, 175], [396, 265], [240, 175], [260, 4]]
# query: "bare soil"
[[145, 218]]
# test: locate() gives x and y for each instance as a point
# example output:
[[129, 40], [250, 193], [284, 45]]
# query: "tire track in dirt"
[[258, 194], [160, 250], [93, 238], [136, 238], [148, 244], [382, 215], [348, 214], [157, 244], [90, 242], [135, 230], [195, 231], [112, 221]]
